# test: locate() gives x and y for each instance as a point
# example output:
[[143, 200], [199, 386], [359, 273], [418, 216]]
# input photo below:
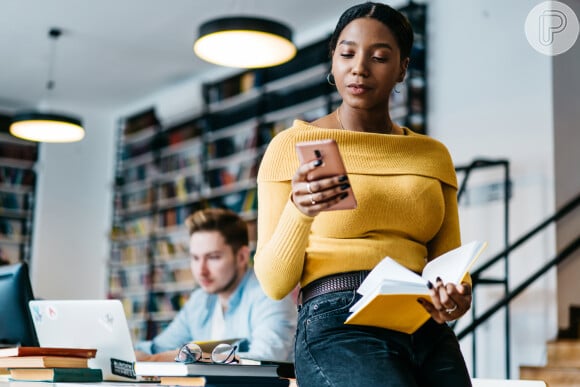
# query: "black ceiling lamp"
[[47, 126], [245, 42]]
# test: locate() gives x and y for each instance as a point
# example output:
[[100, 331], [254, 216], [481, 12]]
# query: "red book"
[[48, 351]]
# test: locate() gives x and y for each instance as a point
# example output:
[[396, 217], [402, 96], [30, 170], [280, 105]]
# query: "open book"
[[390, 291], [208, 346]]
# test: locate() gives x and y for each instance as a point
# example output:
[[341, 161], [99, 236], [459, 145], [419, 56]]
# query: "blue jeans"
[[331, 353]]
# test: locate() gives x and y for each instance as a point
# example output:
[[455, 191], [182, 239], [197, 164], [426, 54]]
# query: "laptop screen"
[[15, 292]]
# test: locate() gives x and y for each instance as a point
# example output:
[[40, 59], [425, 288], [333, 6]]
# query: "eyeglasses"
[[221, 354]]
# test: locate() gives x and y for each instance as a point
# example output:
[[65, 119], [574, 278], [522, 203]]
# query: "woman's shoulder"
[[424, 138]]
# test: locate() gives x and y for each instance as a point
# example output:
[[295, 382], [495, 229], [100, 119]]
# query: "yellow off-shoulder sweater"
[[406, 189]]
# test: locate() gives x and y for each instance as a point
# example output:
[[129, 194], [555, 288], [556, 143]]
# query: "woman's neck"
[[382, 125]]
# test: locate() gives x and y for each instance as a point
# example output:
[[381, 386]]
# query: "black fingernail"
[[344, 195], [318, 163], [343, 178], [439, 279], [429, 285], [344, 186]]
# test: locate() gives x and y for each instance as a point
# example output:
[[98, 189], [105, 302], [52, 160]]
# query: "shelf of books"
[[158, 182], [17, 191], [166, 171]]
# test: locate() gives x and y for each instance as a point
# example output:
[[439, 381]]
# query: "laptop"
[[100, 324]]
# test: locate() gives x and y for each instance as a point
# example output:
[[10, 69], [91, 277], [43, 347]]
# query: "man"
[[229, 302]]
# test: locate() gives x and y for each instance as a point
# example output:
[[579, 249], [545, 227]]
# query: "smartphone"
[[332, 165]]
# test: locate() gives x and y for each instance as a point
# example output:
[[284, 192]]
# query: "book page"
[[390, 270], [453, 265]]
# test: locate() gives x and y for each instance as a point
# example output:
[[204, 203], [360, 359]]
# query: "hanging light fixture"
[[44, 126], [244, 42]]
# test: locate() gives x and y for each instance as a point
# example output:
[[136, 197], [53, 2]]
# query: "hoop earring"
[[330, 79], [395, 90]]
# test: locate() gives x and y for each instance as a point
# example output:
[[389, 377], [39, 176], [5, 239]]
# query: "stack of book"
[[201, 374], [49, 364]]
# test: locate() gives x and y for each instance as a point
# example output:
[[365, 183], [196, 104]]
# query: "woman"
[[406, 188]]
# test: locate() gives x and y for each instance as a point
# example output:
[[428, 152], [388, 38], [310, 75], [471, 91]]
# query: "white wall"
[[490, 95], [73, 212], [567, 160]]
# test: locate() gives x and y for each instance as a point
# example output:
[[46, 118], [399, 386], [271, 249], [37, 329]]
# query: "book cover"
[[390, 291], [48, 351], [217, 381], [57, 374], [264, 370], [208, 345], [43, 362]]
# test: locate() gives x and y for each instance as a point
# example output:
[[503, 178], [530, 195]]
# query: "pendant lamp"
[[244, 42], [47, 126]]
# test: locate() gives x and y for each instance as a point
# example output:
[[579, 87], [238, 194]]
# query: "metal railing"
[[502, 257], [477, 279]]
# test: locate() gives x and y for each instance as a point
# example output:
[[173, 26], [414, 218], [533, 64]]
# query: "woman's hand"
[[311, 197], [448, 301]]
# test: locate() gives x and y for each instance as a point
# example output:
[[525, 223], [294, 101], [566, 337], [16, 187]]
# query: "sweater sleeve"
[[282, 239], [283, 231]]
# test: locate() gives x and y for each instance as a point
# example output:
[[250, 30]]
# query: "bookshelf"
[[158, 180], [17, 193], [167, 170]]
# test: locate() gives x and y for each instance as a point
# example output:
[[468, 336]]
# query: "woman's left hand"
[[448, 301]]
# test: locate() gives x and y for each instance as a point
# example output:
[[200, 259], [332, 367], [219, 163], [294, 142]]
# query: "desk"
[[476, 383], [6, 383]]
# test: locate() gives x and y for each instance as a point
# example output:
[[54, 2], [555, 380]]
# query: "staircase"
[[562, 368], [563, 364]]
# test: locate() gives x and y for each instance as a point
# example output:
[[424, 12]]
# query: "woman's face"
[[366, 64]]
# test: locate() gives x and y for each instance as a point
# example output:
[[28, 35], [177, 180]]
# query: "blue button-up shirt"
[[266, 324]]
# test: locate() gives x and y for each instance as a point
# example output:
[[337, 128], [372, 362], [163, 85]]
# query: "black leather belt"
[[332, 283]]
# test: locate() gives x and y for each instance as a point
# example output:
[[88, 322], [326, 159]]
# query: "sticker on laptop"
[[39, 314], [107, 321], [36, 313], [51, 312], [123, 368]]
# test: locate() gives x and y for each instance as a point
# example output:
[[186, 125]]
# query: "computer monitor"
[[16, 326]]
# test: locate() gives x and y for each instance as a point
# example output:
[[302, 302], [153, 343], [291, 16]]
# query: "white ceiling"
[[114, 52]]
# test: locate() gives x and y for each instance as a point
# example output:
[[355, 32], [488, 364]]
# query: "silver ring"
[[451, 310], [309, 189], [314, 202]]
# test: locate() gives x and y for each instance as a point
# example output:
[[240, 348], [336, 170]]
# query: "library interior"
[[101, 222]]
